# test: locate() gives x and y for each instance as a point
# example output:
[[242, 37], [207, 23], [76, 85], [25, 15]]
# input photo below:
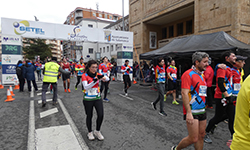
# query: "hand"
[[222, 66], [229, 143], [189, 118], [128, 69], [100, 76]]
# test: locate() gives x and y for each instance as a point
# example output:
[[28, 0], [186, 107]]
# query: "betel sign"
[[11, 49]]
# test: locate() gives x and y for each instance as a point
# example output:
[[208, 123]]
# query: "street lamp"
[[123, 15]]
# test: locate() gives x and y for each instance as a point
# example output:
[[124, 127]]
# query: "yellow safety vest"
[[51, 72]]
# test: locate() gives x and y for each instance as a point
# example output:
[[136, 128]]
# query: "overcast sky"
[[56, 11]]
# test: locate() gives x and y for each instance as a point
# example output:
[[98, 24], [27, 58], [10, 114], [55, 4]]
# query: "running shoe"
[[99, 135], [153, 105], [126, 94], [51, 92], [83, 91], [165, 98], [106, 100], [69, 90], [226, 120], [173, 147], [75, 88], [55, 103], [162, 113], [90, 136], [175, 102], [207, 139], [210, 107], [65, 90], [43, 103]]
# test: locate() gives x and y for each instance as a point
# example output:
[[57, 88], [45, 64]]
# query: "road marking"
[[32, 92], [58, 137], [127, 97], [48, 112], [47, 100], [31, 132], [39, 88], [41, 93], [73, 126]]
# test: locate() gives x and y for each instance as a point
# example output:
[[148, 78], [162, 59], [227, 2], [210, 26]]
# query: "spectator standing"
[[209, 75], [29, 75], [19, 72]]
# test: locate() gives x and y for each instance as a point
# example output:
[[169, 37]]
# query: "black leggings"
[[78, 81], [220, 112], [106, 85], [127, 82], [89, 105]]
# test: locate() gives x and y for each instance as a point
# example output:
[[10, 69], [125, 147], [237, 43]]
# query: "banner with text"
[[35, 29]]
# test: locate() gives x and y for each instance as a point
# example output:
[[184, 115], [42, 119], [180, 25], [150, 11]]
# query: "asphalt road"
[[129, 123]]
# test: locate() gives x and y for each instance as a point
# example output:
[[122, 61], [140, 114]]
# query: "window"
[[72, 22], [112, 48], [106, 16], [179, 29], [72, 15], [91, 50], [100, 15], [94, 14], [90, 25], [103, 49], [189, 26], [110, 17], [171, 31], [164, 33], [107, 48], [100, 50]]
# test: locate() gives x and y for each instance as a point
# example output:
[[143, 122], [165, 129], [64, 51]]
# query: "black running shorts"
[[200, 117]]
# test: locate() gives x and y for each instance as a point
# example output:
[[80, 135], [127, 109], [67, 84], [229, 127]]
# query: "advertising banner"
[[11, 49], [9, 78], [11, 59], [35, 29], [11, 40], [9, 69]]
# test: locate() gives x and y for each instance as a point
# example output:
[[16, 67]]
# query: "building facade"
[[156, 22], [56, 49], [92, 19]]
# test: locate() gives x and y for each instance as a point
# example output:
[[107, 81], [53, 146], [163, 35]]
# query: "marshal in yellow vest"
[[51, 72]]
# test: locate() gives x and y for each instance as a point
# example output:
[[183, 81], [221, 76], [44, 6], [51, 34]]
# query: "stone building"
[[157, 22]]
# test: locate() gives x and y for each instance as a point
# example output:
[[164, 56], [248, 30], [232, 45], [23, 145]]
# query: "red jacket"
[[209, 75]]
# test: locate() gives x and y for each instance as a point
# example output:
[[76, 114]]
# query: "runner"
[[92, 98], [223, 95], [38, 66], [79, 68], [160, 81], [194, 90], [172, 84], [103, 69], [125, 69], [66, 66], [209, 75]]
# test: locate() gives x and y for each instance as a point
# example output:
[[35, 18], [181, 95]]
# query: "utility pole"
[[123, 15]]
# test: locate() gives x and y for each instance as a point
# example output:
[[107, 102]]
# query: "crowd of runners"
[[196, 92]]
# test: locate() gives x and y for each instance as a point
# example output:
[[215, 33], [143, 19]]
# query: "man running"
[[125, 69], [223, 95], [66, 66], [104, 70], [160, 73], [79, 68], [194, 90], [172, 84]]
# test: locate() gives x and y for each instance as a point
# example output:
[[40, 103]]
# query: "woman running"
[[92, 98]]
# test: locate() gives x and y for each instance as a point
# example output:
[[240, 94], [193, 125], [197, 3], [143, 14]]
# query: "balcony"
[[78, 15]]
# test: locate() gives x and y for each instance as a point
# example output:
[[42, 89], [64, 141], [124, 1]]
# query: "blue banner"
[[9, 69], [11, 49]]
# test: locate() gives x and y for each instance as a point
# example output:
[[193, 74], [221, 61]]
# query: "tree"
[[36, 47]]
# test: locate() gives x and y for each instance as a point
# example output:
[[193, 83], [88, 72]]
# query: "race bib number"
[[237, 86], [66, 69], [173, 75], [92, 91], [203, 90]]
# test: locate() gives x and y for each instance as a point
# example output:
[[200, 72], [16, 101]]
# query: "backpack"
[[19, 71]]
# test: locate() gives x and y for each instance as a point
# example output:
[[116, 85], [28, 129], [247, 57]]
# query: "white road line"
[[58, 137], [39, 88], [47, 100], [31, 132], [32, 92], [73, 126], [127, 97], [48, 112], [41, 93]]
